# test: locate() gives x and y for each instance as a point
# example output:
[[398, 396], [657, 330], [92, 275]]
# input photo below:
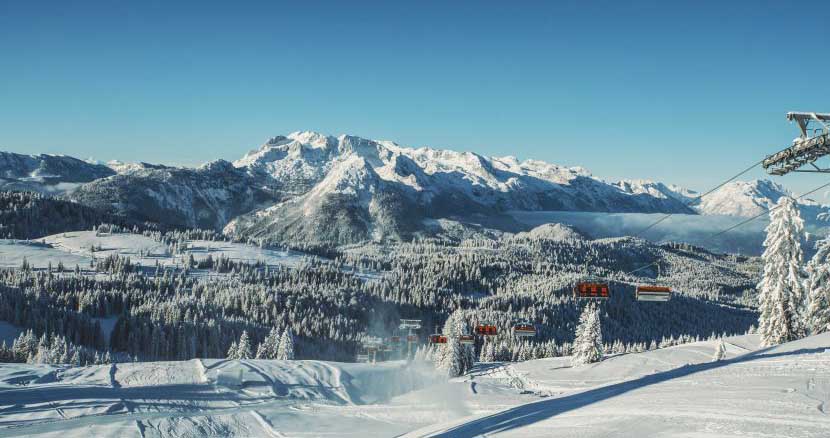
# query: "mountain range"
[[312, 187]]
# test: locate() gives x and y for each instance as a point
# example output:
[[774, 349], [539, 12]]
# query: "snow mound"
[[556, 232]]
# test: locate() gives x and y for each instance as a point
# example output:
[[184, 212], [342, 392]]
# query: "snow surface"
[[38, 255], [677, 391], [78, 243]]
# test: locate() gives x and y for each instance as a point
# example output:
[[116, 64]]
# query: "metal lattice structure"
[[410, 325], [812, 144]]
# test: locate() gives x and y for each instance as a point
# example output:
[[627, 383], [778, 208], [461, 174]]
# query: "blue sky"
[[683, 93]]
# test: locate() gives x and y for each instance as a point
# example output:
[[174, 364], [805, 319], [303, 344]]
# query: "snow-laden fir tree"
[[487, 353], [232, 351], [817, 318], [285, 350], [781, 290], [587, 346], [720, 351], [269, 347], [454, 357], [525, 352], [243, 348]]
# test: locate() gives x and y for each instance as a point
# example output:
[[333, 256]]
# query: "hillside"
[[672, 391]]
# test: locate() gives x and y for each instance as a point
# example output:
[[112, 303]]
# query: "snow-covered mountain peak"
[[744, 198], [656, 189]]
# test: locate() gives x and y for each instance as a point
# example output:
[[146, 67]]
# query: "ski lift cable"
[[697, 198], [743, 222]]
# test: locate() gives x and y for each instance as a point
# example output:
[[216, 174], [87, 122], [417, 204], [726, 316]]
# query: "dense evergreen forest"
[[337, 298]]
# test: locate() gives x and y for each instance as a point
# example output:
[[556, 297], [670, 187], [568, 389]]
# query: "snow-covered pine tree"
[[720, 351], [232, 352], [587, 346], [261, 351], [781, 290], [286, 347], [487, 353], [525, 352], [817, 318], [243, 348], [453, 358], [271, 344]]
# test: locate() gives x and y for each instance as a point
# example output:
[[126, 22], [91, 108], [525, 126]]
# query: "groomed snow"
[[777, 392]]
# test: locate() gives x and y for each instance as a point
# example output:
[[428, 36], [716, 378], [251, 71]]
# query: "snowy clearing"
[[145, 251], [74, 248], [677, 391]]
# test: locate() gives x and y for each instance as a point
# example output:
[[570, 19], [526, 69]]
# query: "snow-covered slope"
[[47, 173], [782, 392], [75, 248], [750, 198], [205, 197], [349, 188], [777, 392]]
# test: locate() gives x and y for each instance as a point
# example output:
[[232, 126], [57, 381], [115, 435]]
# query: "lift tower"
[[410, 325]]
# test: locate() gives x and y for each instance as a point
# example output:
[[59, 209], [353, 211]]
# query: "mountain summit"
[[349, 187]]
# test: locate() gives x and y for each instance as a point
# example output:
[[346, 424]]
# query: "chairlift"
[[486, 330], [591, 290], [467, 339], [437, 339], [653, 293], [524, 330], [591, 287]]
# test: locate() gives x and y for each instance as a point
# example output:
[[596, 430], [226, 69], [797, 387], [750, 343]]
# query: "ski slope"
[[776, 392]]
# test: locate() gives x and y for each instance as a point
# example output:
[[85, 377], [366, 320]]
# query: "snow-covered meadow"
[[677, 391], [81, 247]]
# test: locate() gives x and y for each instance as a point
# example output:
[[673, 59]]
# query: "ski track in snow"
[[781, 391]]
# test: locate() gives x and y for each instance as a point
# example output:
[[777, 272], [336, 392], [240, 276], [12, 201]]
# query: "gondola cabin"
[[486, 330], [395, 339], [524, 330], [437, 339], [467, 339], [412, 338], [586, 290], [653, 293]]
